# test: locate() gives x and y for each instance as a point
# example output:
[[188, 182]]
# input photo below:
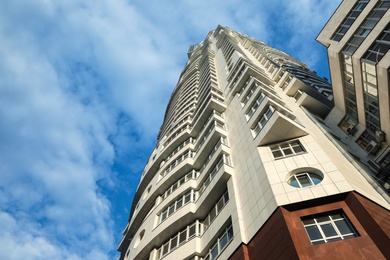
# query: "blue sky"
[[83, 90]]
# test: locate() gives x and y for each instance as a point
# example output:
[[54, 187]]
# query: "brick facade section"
[[273, 241], [284, 237]]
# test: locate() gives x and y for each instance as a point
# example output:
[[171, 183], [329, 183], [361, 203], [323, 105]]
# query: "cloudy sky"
[[83, 89]]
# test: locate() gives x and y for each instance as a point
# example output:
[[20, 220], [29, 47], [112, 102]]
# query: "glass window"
[[192, 231], [305, 179], [171, 210], [220, 204], [174, 242], [165, 249], [328, 227], [164, 215], [179, 203], [287, 149], [367, 25], [348, 21], [183, 236], [223, 241], [187, 198], [214, 252], [213, 215]]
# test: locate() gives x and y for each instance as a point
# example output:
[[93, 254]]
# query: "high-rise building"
[[357, 38], [244, 167]]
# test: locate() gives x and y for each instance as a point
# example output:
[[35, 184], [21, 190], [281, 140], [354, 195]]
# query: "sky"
[[83, 90]]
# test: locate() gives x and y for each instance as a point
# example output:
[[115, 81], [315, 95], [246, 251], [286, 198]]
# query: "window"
[[222, 241], [216, 210], [287, 149], [178, 239], [380, 47], [263, 120], [304, 179], [328, 227], [349, 88], [368, 24], [183, 236], [176, 205], [370, 95], [254, 106], [348, 21]]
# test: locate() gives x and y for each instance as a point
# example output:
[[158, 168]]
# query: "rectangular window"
[[173, 243], [179, 203], [287, 149], [192, 231], [213, 215], [328, 227], [367, 25], [221, 243], [263, 120], [165, 249], [214, 252], [171, 210], [164, 215], [187, 198], [183, 236]]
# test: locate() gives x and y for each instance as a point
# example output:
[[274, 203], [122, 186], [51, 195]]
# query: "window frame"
[[319, 221], [282, 149], [309, 176]]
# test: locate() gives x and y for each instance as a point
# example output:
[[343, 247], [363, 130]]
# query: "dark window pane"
[[192, 231], [328, 230], [187, 198], [183, 236], [304, 181], [224, 240], [214, 252], [230, 233], [288, 151], [308, 221], [313, 232], [171, 210], [343, 227], [277, 154], [173, 242], [179, 203], [322, 218], [298, 149], [165, 248]]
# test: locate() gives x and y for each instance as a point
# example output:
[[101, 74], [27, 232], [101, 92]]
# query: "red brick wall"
[[374, 218], [284, 237], [271, 242]]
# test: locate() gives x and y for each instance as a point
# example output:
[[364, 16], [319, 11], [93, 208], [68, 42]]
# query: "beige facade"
[[244, 138]]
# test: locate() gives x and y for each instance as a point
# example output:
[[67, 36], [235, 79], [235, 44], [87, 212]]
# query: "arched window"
[[304, 179]]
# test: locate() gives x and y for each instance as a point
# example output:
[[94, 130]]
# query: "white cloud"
[[83, 89]]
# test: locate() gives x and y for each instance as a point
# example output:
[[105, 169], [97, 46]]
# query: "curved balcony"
[[190, 211], [213, 102], [203, 120], [246, 69]]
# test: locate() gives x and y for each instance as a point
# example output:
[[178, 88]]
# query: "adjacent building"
[[357, 38], [254, 157]]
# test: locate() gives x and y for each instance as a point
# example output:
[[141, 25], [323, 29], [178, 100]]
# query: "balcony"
[[245, 72], [279, 127]]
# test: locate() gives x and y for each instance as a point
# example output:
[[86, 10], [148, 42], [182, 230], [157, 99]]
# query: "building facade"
[[357, 38], [245, 169]]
